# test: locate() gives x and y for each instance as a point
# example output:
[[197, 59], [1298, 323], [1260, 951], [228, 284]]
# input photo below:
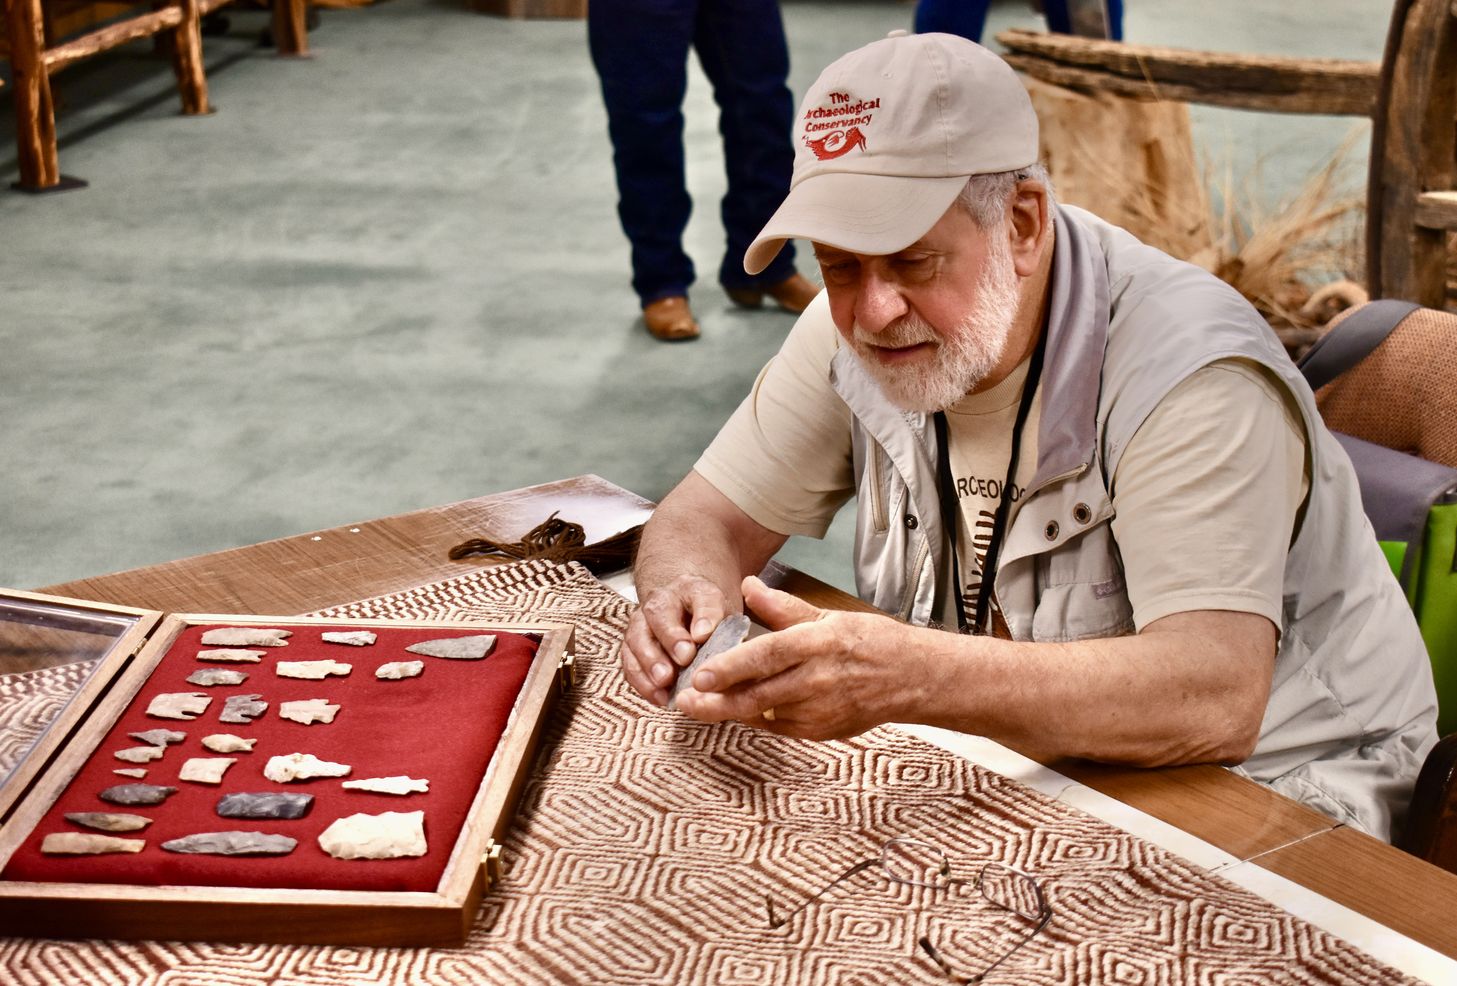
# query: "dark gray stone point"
[[232, 844], [137, 794], [265, 805]]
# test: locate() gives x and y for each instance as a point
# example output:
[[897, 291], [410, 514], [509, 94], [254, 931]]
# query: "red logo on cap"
[[836, 143]]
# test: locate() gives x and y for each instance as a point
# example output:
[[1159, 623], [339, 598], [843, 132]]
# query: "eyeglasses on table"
[[913, 863]]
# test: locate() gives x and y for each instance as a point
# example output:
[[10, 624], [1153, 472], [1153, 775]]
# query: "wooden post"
[[1413, 150], [187, 60], [35, 119], [1255, 82], [290, 27]]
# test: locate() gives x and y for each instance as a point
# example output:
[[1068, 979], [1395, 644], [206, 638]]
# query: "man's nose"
[[878, 303]]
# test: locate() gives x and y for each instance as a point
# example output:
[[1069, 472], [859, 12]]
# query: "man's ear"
[[1029, 226]]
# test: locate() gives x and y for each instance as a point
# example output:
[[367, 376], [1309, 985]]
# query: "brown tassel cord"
[[561, 541]]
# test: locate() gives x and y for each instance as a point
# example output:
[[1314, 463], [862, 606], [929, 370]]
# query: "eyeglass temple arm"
[[935, 955], [777, 922]]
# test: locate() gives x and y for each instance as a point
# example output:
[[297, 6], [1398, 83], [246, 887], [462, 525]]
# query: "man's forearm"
[[697, 531], [1190, 689], [678, 544]]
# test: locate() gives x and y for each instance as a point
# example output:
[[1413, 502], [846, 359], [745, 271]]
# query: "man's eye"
[[837, 270]]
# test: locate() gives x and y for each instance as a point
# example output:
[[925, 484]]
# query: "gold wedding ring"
[[768, 715]]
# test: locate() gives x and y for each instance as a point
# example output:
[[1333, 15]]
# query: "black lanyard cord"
[[950, 505]]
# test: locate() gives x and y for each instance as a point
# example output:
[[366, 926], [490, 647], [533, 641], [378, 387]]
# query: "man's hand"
[[696, 548], [665, 631], [825, 675]]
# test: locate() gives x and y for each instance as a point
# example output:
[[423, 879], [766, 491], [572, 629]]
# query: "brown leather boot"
[[793, 294], [670, 319]]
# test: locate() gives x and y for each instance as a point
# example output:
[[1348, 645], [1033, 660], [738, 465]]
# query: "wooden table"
[[312, 571]]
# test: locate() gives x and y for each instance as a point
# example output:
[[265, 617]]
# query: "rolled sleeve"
[[1207, 494]]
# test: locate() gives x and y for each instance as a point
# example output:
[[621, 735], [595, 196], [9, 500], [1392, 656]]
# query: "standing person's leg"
[[640, 50], [1063, 20], [744, 53], [967, 18]]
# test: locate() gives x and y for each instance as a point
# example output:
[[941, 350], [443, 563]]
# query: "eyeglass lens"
[[1013, 891], [918, 864]]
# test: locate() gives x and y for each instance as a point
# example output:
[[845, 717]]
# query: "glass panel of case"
[[48, 650]]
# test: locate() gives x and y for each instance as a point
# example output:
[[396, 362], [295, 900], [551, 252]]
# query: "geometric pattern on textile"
[[29, 702], [644, 845]]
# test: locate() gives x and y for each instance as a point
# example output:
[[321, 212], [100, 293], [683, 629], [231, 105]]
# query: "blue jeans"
[[640, 49], [968, 17]]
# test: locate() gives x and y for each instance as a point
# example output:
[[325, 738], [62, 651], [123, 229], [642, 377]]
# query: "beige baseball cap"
[[886, 138]]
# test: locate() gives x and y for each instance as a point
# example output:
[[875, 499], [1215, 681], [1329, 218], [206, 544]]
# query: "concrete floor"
[[390, 276]]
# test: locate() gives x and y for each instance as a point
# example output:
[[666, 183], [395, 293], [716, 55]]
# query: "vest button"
[[1050, 531], [1082, 514], [910, 522]]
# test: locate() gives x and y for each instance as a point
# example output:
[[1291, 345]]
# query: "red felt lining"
[[443, 726]]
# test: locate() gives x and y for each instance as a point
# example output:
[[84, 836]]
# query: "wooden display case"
[[63, 763]]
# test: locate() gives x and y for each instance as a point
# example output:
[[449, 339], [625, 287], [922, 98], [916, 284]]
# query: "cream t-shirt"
[[979, 431], [1205, 496]]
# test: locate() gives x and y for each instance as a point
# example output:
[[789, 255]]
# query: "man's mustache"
[[905, 331]]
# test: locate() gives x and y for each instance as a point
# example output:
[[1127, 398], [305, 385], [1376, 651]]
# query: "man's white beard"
[[964, 357]]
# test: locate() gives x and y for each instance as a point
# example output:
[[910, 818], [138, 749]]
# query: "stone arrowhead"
[[137, 794], [309, 711], [205, 770], [106, 821], [395, 670], [159, 737], [179, 705], [389, 785], [311, 670], [140, 754], [233, 844], [232, 654], [457, 648], [390, 835], [207, 677], [86, 844], [265, 805], [137, 772], [301, 767], [352, 638], [246, 637], [243, 708], [228, 743]]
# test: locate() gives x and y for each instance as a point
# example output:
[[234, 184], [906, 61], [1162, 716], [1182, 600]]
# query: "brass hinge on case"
[[567, 670], [491, 864]]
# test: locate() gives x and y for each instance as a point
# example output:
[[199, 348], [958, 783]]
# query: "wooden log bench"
[[43, 39]]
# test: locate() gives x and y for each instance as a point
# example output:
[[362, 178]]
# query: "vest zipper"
[[908, 601], [877, 498]]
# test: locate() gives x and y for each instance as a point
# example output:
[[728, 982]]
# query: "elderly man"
[[1180, 570]]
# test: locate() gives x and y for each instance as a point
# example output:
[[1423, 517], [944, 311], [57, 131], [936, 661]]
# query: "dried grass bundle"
[[1296, 263], [1277, 258]]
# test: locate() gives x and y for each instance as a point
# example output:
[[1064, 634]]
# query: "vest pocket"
[[1082, 593]]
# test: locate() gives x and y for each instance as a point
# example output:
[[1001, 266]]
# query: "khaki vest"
[[1352, 708]]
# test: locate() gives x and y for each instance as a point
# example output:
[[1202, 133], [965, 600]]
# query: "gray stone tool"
[[730, 632]]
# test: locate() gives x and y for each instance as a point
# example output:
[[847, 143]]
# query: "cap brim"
[[870, 214]]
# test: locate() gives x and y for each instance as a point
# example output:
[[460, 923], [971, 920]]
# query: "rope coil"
[[560, 541]]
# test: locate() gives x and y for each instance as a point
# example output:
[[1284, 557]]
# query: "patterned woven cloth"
[[29, 702], [645, 845]]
